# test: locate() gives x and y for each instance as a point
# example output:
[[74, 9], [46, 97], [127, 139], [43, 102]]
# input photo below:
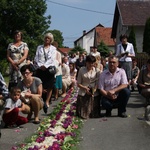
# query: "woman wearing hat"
[[44, 58]]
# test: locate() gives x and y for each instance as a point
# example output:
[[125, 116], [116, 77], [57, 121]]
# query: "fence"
[[142, 59]]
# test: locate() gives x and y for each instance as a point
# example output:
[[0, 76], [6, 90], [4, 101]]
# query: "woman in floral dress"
[[17, 53]]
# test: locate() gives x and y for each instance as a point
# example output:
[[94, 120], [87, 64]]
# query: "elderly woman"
[[88, 100], [17, 53], [32, 89], [44, 58]]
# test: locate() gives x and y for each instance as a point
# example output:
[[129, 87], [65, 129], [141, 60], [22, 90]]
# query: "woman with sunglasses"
[[32, 88]]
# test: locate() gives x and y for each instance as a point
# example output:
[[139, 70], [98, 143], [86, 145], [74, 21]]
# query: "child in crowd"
[[13, 106]]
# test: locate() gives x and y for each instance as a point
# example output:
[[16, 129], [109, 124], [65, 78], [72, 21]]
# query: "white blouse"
[[50, 56], [129, 49]]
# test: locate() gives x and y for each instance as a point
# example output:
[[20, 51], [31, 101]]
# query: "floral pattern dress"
[[16, 53]]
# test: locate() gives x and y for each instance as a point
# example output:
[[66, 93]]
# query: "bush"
[[4, 67]]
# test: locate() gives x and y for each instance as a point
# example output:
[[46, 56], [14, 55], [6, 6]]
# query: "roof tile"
[[104, 34], [134, 12]]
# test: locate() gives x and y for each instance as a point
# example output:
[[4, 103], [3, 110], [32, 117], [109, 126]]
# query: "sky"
[[71, 17]]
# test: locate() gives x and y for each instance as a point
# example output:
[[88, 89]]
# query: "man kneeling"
[[113, 87]]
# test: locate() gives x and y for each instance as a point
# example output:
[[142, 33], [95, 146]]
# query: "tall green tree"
[[25, 15], [103, 49], [146, 37], [132, 39]]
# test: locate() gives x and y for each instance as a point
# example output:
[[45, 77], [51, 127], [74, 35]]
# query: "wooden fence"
[[142, 59]]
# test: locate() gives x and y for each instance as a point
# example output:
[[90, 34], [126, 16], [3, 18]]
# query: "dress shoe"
[[45, 107], [123, 115]]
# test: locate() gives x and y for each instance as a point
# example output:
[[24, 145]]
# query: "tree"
[[132, 39], [103, 49], [25, 15], [146, 37], [77, 49], [57, 37]]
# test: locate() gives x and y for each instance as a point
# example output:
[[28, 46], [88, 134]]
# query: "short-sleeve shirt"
[[135, 72], [12, 104], [33, 87], [95, 54], [109, 81]]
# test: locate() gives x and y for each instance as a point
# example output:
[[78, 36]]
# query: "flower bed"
[[60, 130]]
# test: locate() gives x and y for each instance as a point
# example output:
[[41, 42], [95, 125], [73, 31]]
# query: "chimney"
[[84, 32]]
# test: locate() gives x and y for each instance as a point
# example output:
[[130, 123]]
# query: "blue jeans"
[[120, 102]]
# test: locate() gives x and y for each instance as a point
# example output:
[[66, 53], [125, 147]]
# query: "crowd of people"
[[102, 82]]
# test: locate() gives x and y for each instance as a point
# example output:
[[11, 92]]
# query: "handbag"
[[33, 67], [51, 69]]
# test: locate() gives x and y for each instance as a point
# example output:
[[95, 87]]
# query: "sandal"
[[36, 122]]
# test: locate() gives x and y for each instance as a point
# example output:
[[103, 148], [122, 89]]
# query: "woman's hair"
[[81, 55], [50, 35], [15, 90], [134, 59], [64, 58], [25, 67], [73, 64], [90, 59], [16, 32], [124, 36]]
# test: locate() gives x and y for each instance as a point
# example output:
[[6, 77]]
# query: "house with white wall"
[[94, 37]]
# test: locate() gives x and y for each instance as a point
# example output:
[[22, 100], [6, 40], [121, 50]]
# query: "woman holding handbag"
[[45, 59], [88, 100]]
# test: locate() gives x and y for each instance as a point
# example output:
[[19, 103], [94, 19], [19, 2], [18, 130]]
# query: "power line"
[[94, 11]]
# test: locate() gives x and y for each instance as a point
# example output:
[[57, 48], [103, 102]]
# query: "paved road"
[[115, 133], [112, 133]]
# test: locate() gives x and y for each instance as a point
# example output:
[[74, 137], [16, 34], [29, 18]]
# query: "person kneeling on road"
[[12, 108], [113, 87]]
